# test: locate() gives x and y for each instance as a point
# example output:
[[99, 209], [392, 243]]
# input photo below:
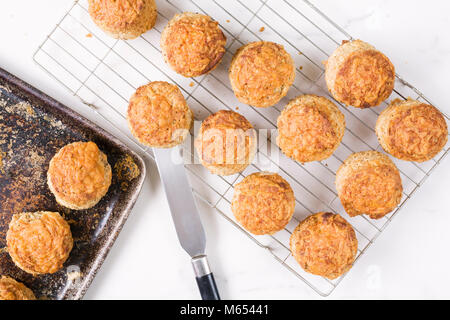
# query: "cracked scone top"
[[411, 130], [369, 183], [324, 244], [158, 115], [11, 289], [261, 73], [263, 203], [39, 242], [358, 75], [192, 44], [123, 19], [79, 175], [226, 143], [310, 128]]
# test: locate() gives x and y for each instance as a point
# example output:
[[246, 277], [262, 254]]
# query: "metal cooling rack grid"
[[104, 72]]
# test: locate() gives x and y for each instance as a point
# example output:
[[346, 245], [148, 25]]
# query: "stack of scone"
[[310, 128]]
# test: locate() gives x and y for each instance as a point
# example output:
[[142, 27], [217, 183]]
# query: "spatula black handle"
[[205, 279], [208, 288]]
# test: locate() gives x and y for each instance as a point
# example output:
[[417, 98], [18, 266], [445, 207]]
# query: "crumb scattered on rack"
[[262, 29], [237, 108], [301, 67], [300, 52], [89, 35], [228, 21], [191, 84]]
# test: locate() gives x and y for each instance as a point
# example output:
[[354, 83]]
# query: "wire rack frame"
[[91, 66]]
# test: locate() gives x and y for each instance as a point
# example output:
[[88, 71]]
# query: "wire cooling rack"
[[104, 73]]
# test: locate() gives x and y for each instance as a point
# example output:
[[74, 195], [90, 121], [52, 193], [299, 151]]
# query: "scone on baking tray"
[[358, 75], [192, 44], [411, 130], [79, 175], [324, 244], [369, 183], [263, 203], [261, 73], [158, 115], [123, 19], [11, 289], [310, 128], [39, 242], [226, 143]]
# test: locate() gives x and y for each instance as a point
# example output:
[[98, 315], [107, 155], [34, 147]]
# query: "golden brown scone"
[[261, 73], [324, 244], [359, 75], [79, 175], [310, 128], [192, 44], [369, 183], [10, 289], [263, 203], [123, 19], [226, 143], [158, 115], [411, 130], [39, 242]]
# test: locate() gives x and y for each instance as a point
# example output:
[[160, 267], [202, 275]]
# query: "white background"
[[409, 260]]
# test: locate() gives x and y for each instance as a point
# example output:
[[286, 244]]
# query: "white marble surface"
[[409, 260]]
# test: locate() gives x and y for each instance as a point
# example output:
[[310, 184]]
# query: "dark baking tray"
[[33, 126]]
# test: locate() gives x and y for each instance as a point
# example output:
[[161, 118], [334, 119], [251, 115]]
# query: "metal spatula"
[[186, 219]]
